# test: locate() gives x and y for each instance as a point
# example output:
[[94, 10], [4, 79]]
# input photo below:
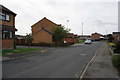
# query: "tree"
[[59, 33], [110, 38], [29, 39]]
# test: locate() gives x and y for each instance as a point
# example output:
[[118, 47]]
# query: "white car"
[[88, 42]]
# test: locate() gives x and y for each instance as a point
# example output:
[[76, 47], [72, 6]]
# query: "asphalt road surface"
[[64, 62]]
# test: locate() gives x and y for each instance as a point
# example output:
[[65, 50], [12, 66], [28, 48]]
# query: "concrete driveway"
[[55, 62]]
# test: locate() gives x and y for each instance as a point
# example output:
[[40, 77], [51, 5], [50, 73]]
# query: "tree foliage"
[[59, 33], [110, 38], [29, 39]]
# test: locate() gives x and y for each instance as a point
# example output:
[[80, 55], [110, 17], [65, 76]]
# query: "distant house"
[[42, 32], [76, 38], [70, 38], [97, 36], [116, 36], [20, 40], [7, 26], [84, 37]]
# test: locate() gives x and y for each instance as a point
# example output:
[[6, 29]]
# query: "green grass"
[[116, 61], [19, 50]]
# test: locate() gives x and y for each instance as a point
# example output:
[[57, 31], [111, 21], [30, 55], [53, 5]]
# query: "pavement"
[[55, 62], [101, 66]]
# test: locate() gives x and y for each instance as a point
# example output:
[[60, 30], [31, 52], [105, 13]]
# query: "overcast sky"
[[97, 15]]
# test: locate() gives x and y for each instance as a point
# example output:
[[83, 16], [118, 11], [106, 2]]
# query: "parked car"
[[88, 42]]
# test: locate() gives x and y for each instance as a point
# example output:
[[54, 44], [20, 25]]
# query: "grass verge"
[[18, 50], [116, 61]]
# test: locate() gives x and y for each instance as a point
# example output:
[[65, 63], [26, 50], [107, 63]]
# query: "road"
[[64, 62]]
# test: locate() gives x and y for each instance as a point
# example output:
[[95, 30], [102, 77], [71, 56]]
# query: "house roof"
[[70, 35], [84, 36], [116, 32], [2, 8], [48, 20], [97, 33], [75, 36]]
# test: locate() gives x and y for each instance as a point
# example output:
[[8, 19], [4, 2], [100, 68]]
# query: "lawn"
[[18, 50]]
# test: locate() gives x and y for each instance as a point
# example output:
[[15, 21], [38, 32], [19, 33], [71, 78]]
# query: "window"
[[7, 35], [7, 18], [10, 34], [4, 17]]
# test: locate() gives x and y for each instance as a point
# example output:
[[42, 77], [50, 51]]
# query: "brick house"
[[42, 32], [70, 38], [21, 40], [84, 37], [95, 36], [116, 36], [76, 38], [7, 27]]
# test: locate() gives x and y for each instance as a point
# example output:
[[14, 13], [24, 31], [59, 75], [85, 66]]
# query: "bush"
[[117, 46], [116, 61], [110, 38]]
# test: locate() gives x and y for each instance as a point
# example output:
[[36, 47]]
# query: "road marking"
[[84, 70], [77, 44], [82, 54], [42, 51]]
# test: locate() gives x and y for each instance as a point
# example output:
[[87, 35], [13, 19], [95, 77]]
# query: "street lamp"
[[67, 23], [82, 28]]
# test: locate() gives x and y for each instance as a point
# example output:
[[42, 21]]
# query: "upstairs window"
[[2, 16], [5, 17]]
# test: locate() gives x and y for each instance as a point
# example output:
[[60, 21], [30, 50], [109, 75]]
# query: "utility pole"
[[67, 23], [106, 32], [82, 28]]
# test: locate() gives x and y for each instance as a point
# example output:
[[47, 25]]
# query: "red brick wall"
[[75, 40], [42, 37], [7, 43], [95, 36], [69, 40]]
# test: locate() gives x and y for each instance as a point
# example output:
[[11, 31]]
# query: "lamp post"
[[82, 28], [67, 23]]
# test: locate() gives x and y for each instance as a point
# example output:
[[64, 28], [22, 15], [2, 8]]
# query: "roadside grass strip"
[[18, 50]]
